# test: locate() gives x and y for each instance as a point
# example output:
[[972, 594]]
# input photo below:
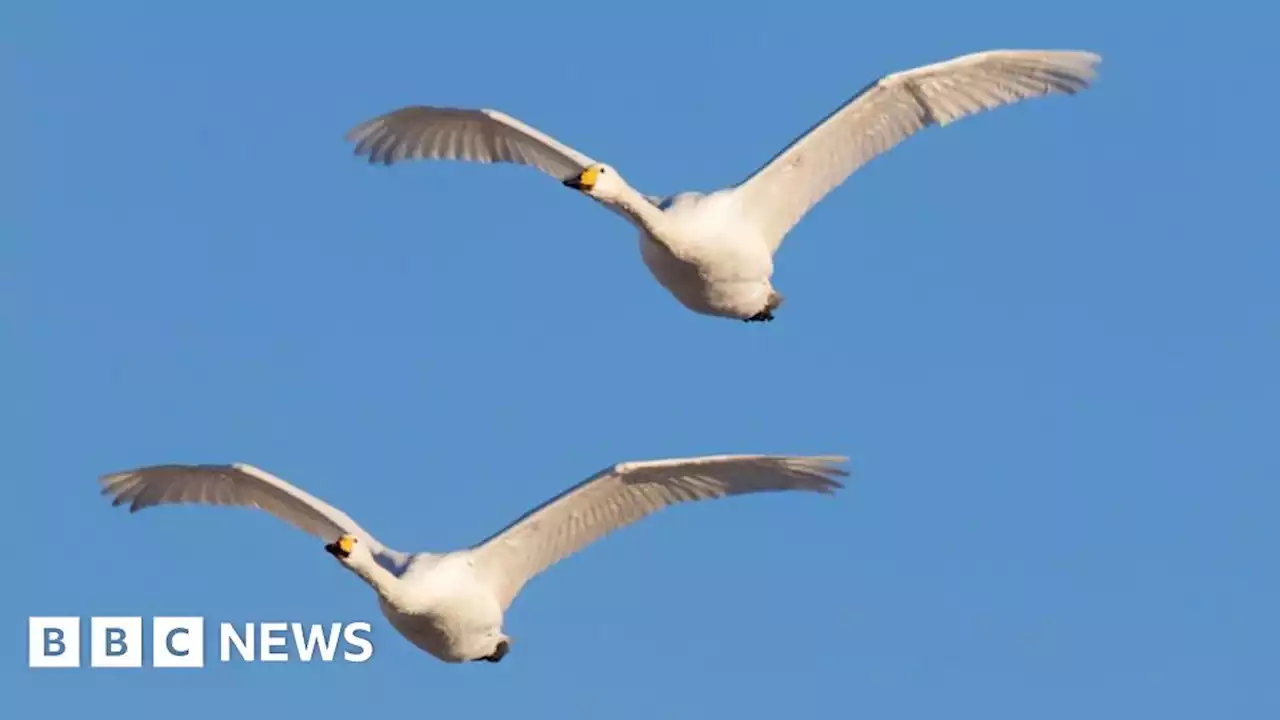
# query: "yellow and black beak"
[[584, 180], [341, 548]]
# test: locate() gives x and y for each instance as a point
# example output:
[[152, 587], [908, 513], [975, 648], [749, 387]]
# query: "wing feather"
[[237, 484], [483, 136], [624, 493], [892, 109]]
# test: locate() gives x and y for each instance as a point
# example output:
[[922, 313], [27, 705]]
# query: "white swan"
[[714, 252], [452, 604]]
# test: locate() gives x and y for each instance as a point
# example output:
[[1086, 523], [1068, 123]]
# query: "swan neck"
[[379, 578], [648, 217]]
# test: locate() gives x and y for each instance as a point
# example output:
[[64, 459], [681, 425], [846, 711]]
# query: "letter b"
[[53, 642], [116, 646], [115, 642]]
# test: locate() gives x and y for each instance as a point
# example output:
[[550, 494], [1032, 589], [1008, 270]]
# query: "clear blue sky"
[[1047, 337]]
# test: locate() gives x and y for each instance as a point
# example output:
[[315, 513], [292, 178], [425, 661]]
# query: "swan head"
[[599, 181], [350, 552]]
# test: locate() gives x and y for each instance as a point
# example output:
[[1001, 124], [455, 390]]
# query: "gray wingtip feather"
[[823, 471]]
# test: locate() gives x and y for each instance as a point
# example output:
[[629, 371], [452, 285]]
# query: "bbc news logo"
[[178, 642]]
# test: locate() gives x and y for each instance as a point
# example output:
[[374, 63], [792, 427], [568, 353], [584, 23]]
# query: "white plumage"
[[452, 604], [714, 252]]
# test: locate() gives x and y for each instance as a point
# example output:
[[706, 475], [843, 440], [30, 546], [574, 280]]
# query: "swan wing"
[[482, 135], [890, 110], [235, 484], [624, 493]]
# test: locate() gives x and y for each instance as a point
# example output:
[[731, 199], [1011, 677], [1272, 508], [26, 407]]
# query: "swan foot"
[[498, 653], [766, 315]]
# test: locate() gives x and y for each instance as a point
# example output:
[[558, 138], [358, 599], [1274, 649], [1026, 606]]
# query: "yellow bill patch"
[[588, 177]]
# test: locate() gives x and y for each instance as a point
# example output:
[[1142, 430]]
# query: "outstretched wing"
[[483, 136], [236, 484], [892, 109], [627, 492]]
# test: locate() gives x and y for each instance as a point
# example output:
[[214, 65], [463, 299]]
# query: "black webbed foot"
[[766, 315], [498, 653]]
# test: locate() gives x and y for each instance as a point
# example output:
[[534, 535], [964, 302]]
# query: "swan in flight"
[[714, 252], [452, 604]]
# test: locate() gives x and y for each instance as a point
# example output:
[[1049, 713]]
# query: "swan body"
[[452, 604], [714, 252], [719, 266], [442, 608]]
